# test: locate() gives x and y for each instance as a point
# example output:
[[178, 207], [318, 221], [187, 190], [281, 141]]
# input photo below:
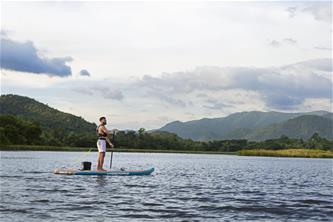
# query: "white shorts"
[[101, 145]]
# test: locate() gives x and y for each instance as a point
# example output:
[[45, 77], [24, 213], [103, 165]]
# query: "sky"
[[145, 64]]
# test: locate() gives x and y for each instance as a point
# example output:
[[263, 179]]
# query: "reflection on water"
[[184, 188], [101, 181]]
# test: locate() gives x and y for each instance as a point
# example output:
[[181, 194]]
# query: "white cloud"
[[321, 10], [282, 88], [291, 11], [318, 10]]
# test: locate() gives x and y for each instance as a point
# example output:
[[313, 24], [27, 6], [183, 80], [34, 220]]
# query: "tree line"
[[21, 131]]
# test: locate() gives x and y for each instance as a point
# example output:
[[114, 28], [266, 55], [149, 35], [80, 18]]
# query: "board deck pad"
[[67, 171]]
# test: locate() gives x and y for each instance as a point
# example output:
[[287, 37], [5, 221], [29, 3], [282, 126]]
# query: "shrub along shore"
[[308, 153]]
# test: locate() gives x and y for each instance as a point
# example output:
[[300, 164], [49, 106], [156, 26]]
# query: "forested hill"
[[255, 126], [46, 116], [300, 127]]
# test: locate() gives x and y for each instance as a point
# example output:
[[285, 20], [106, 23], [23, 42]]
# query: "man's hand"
[[109, 142], [112, 146]]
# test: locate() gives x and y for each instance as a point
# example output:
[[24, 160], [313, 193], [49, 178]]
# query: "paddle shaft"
[[111, 150]]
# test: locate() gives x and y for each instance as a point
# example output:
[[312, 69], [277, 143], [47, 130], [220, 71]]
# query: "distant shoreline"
[[86, 149], [294, 153]]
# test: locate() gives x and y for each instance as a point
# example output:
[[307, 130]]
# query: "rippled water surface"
[[184, 187]]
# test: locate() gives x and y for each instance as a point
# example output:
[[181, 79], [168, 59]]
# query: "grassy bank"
[[307, 153], [94, 149]]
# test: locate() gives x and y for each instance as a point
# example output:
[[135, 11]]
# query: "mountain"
[[46, 116], [246, 125], [300, 127], [328, 115]]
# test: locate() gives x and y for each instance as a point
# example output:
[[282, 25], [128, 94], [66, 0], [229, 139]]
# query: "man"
[[101, 142]]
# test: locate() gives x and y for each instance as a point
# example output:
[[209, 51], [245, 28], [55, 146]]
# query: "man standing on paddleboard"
[[101, 142]]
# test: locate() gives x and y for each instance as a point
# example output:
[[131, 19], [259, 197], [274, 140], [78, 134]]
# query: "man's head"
[[102, 120]]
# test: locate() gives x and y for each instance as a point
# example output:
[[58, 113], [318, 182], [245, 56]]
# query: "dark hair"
[[100, 119]]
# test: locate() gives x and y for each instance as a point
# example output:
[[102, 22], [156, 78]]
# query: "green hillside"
[[46, 116], [33, 122], [302, 127], [19, 130], [218, 128], [252, 125]]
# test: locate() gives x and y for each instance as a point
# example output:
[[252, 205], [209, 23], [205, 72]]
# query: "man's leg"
[[102, 160], [99, 154], [99, 161]]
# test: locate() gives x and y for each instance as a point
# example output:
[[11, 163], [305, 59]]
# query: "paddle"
[[113, 141]]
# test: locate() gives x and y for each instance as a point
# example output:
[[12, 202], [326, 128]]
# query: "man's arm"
[[105, 130], [108, 140]]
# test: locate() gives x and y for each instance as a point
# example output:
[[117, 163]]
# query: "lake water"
[[184, 187]]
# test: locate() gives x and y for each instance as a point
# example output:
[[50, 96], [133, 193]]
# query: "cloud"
[[201, 95], [286, 41], [113, 94], [84, 91], [284, 102], [311, 66], [291, 11], [274, 43], [202, 78], [320, 10], [84, 72], [170, 100], [282, 87], [3, 33], [323, 48], [216, 104], [152, 84], [97, 89], [290, 41], [24, 57]]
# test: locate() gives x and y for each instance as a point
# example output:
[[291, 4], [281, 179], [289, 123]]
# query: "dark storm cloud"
[[24, 57]]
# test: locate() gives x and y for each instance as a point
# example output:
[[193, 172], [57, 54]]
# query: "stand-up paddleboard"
[[66, 171]]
